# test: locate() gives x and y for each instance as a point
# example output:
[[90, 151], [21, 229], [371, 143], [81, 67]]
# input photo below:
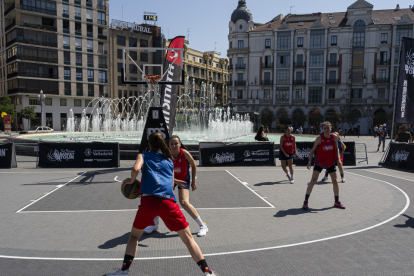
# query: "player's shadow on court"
[[408, 223], [298, 211], [273, 183], [124, 239]]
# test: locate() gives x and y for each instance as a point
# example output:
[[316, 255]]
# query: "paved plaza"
[[76, 222]]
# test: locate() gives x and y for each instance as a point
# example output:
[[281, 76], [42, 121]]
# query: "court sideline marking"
[[240, 251], [45, 195], [388, 175], [245, 185]]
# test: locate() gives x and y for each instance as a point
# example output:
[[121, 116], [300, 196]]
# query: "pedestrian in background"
[[375, 131]]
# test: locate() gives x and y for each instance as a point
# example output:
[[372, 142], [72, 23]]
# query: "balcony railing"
[[382, 80], [332, 81], [357, 101], [39, 26], [102, 80], [300, 64], [240, 66], [12, 7], [11, 25], [286, 81], [333, 101], [283, 65], [298, 101], [332, 63], [240, 83], [267, 82], [101, 36], [284, 100], [33, 91], [102, 22], [238, 50], [267, 65], [381, 101], [299, 82], [37, 42], [33, 74], [101, 7], [37, 9], [34, 58], [383, 61], [101, 65]]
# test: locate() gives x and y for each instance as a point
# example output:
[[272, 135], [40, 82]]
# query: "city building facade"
[[330, 64], [59, 47], [125, 34]]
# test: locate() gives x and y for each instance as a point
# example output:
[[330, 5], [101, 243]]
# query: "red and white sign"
[[7, 124]]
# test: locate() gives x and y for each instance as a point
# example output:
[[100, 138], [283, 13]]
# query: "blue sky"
[[209, 19]]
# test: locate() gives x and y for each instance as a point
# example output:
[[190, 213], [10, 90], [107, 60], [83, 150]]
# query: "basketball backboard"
[[141, 61]]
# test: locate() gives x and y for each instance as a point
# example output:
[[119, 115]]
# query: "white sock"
[[199, 221], [291, 177]]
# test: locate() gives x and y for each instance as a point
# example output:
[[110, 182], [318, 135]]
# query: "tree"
[[285, 120], [351, 118], [28, 113], [267, 118], [7, 106]]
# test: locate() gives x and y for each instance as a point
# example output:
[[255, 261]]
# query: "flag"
[[404, 113], [169, 93]]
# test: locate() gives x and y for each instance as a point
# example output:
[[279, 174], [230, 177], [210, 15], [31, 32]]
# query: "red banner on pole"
[[7, 124]]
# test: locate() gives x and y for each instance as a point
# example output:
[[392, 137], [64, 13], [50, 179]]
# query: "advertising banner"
[[7, 124], [404, 113], [304, 149], [239, 154], [169, 92], [7, 156], [400, 155], [78, 155], [155, 123]]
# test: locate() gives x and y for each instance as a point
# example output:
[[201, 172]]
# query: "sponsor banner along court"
[[7, 156], [400, 155], [404, 113], [237, 154], [304, 149], [78, 155]]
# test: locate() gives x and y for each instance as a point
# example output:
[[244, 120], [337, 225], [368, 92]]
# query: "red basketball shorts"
[[168, 210]]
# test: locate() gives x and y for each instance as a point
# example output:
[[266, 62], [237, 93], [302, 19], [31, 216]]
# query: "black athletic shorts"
[[329, 170]]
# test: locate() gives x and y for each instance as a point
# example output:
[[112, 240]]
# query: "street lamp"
[[41, 97]]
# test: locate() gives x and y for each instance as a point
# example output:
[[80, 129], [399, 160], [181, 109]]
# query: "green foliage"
[[351, 118], [267, 118], [7, 106], [28, 113]]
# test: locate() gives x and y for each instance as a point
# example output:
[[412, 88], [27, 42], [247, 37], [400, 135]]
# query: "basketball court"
[[68, 222]]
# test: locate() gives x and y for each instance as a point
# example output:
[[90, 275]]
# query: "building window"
[[65, 25], [133, 69], [90, 59], [241, 44], [66, 40], [143, 43], [78, 42], [120, 40], [317, 39], [282, 76], [316, 59], [66, 71], [356, 94], [267, 43], [68, 89], [334, 39], [282, 95], [119, 53], [87, 102], [241, 27], [298, 94], [283, 60], [89, 14], [66, 57], [283, 41], [63, 102], [404, 30], [132, 42], [90, 74], [48, 101], [77, 11], [299, 77], [239, 94], [77, 102], [79, 73], [359, 34], [300, 41], [89, 44], [34, 101], [267, 94], [315, 95], [65, 9], [144, 57], [383, 58], [79, 90], [120, 67], [78, 58], [331, 94], [133, 55], [382, 73], [102, 76], [384, 38], [101, 18], [268, 61], [316, 76]]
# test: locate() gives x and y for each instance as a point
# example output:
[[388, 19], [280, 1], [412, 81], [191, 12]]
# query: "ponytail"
[[182, 145], [157, 143]]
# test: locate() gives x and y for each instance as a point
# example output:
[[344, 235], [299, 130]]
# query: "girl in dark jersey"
[[327, 154], [287, 151], [158, 199], [182, 161], [341, 148]]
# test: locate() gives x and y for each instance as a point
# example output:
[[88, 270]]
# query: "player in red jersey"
[[287, 151], [326, 147]]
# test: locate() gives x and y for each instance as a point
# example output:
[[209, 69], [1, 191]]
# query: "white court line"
[[57, 188], [388, 175], [245, 185], [61, 172], [117, 179], [235, 252]]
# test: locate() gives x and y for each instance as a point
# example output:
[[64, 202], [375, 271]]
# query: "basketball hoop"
[[152, 78]]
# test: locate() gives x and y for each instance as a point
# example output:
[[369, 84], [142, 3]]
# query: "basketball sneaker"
[[325, 178], [152, 228], [343, 180], [212, 273], [305, 205], [339, 205], [292, 181], [119, 272], [203, 231]]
